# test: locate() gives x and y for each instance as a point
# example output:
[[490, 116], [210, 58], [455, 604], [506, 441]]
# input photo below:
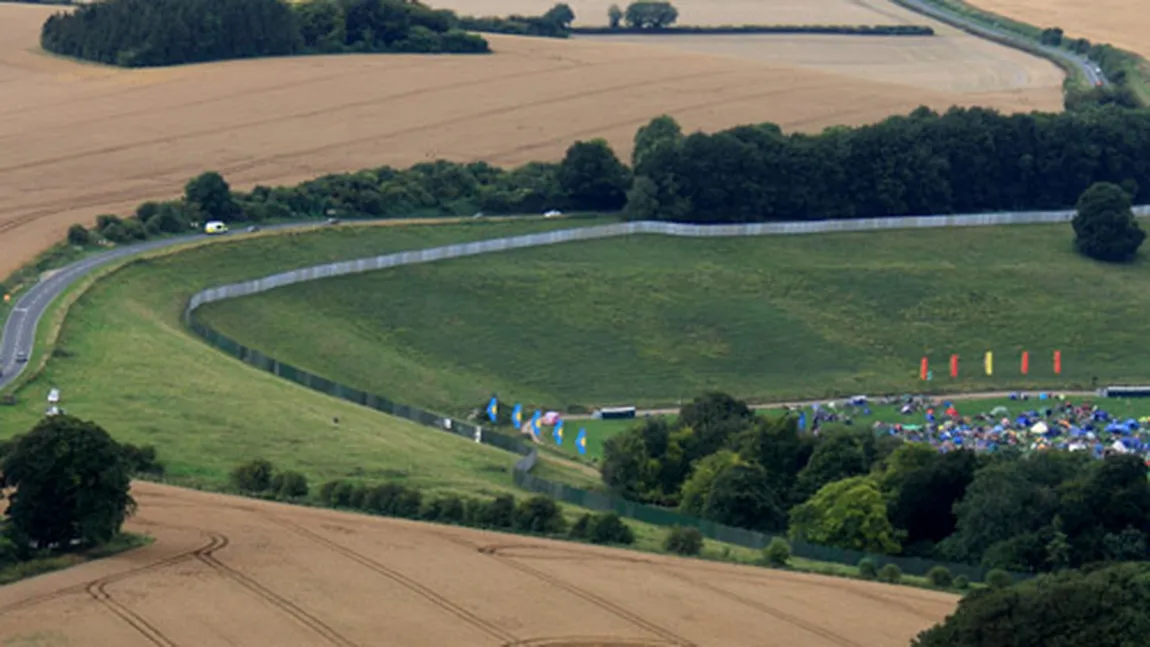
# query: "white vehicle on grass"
[[216, 227]]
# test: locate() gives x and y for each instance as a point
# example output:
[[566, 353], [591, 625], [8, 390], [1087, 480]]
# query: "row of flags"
[[536, 424], [925, 373]]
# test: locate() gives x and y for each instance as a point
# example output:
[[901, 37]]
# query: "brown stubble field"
[[77, 140], [1121, 23], [230, 571]]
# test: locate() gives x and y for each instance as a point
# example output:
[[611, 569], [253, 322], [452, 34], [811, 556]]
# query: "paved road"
[[1089, 68], [20, 329]]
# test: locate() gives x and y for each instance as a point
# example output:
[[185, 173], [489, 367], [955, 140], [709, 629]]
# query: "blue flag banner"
[[517, 416], [802, 420], [558, 433], [535, 423], [581, 441], [493, 409]]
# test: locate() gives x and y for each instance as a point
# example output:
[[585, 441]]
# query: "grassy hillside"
[[124, 360], [649, 320]]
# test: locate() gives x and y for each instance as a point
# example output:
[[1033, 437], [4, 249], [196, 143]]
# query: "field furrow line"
[[412, 585]]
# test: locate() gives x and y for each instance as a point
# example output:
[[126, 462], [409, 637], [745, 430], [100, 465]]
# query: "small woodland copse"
[[144, 33]]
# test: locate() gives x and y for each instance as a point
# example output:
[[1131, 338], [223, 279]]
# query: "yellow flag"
[[989, 362]]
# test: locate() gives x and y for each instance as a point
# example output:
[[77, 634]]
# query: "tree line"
[[962, 161], [848, 488], [834, 30], [966, 160], [141, 33]]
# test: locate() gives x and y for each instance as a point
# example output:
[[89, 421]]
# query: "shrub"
[[474, 512], [358, 497], [142, 460], [540, 514], [609, 528], [381, 498], [890, 573], [408, 503], [867, 569], [581, 529], [500, 513], [449, 509], [290, 485], [940, 577], [326, 492], [78, 235], [997, 578], [341, 495], [684, 541], [254, 476], [778, 552], [961, 583]]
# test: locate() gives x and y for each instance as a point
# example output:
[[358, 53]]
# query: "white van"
[[215, 227]]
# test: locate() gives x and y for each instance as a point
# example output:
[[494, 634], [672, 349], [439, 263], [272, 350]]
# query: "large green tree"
[[1109, 607], [922, 486], [593, 177], [210, 194], [1105, 226], [703, 475], [742, 496], [71, 482], [850, 514]]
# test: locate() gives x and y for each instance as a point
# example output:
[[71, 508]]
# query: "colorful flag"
[[535, 423], [1057, 362], [1025, 362], [581, 441], [954, 365], [989, 363], [558, 433], [517, 416], [802, 420], [924, 369], [493, 409]]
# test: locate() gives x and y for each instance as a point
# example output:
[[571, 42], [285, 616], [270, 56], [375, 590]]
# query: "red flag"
[[924, 368], [954, 365], [1025, 362], [1058, 362]]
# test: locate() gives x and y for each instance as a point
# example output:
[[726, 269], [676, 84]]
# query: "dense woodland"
[[852, 489], [141, 33]]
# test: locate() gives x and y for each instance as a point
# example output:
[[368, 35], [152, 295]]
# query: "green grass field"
[[650, 320], [124, 360]]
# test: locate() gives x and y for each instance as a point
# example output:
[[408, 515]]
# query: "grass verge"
[[41, 565]]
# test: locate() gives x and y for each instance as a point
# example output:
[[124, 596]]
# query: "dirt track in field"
[[1122, 23], [77, 140], [230, 571]]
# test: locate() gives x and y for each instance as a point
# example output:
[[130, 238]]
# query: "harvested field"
[[77, 140], [228, 571], [708, 12], [1122, 23]]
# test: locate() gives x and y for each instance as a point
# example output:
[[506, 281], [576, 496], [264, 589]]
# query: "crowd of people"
[[1042, 422]]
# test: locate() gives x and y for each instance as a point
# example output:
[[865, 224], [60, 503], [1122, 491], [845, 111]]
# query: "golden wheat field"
[[77, 140], [1122, 23], [240, 572]]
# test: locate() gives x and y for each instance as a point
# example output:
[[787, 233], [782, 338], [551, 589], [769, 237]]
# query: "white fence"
[[329, 270]]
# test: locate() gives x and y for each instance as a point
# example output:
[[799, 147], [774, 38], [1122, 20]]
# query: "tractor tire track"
[[104, 581], [287, 606], [99, 593], [595, 599], [423, 591], [810, 627]]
